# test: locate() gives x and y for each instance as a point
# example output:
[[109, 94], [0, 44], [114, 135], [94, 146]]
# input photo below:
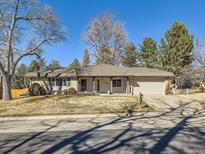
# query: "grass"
[[198, 97], [62, 105]]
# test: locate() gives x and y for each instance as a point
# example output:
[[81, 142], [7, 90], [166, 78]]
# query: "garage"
[[149, 85]]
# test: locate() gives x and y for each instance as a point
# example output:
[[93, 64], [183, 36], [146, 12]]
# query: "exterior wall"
[[45, 83], [42, 81], [148, 85], [105, 85], [74, 83], [121, 89], [89, 84], [145, 85]]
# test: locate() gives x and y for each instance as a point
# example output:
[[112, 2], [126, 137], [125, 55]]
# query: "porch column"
[[110, 85], [94, 85], [131, 89], [78, 85]]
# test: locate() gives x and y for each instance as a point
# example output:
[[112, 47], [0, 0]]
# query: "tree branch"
[[10, 38], [28, 18], [2, 71], [3, 43], [3, 23], [28, 53]]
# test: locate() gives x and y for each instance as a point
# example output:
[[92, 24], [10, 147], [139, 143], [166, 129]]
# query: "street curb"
[[73, 116]]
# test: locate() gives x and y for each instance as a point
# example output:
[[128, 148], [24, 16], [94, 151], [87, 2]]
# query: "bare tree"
[[105, 32], [199, 62], [26, 26]]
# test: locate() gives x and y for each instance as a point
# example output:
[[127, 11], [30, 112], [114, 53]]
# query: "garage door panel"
[[148, 86]]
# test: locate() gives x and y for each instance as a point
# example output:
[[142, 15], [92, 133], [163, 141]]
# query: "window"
[[66, 82], [116, 83], [58, 82], [53, 82]]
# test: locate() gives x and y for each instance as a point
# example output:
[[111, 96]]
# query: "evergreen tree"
[[176, 49], [19, 80], [54, 64], [148, 52], [130, 56], [75, 64], [86, 58], [38, 64]]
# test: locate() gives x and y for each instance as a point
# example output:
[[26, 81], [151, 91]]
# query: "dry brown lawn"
[[198, 97], [62, 105]]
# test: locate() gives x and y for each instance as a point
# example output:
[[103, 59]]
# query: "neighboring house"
[[104, 78]]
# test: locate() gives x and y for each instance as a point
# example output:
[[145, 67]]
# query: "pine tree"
[[176, 49], [38, 64], [54, 64], [86, 58], [148, 52], [130, 56], [18, 79], [75, 64]]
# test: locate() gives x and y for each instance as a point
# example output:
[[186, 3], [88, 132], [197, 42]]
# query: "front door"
[[98, 85], [83, 85]]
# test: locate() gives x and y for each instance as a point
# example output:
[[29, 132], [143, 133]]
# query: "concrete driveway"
[[164, 103], [180, 130]]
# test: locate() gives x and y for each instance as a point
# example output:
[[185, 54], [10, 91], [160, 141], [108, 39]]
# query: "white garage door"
[[149, 86]]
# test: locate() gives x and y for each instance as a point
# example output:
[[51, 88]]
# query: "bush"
[[65, 91], [71, 91], [185, 82], [59, 92], [37, 90]]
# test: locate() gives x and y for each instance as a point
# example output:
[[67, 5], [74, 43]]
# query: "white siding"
[[148, 85]]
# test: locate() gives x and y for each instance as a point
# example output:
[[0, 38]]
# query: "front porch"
[[104, 85]]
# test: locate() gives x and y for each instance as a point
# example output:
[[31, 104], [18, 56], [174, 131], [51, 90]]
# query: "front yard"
[[198, 97], [62, 105]]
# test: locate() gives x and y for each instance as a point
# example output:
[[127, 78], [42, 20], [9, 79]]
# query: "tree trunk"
[[6, 88]]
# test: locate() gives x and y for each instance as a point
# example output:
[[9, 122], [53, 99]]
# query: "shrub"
[[65, 91], [59, 92], [169, 87], [36, 90], [72, 91], [185, 82]]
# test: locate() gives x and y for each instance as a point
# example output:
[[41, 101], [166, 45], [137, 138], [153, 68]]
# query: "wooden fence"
[[15, 92], [18, 92]]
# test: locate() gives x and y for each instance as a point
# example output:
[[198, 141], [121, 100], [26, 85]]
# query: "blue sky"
[[141, 18]]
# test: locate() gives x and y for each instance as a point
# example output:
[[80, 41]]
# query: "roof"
[[102, 70], [61, 72], [111, 70]]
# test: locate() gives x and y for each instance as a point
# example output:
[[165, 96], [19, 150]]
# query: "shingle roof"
[[110, 70], [103, 70], [61, 72]]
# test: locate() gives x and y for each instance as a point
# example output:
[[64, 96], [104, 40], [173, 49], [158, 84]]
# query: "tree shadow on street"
[[104, 138]]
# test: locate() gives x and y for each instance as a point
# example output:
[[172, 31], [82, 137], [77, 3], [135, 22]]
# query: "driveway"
[[164, 103], [180, 130]]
